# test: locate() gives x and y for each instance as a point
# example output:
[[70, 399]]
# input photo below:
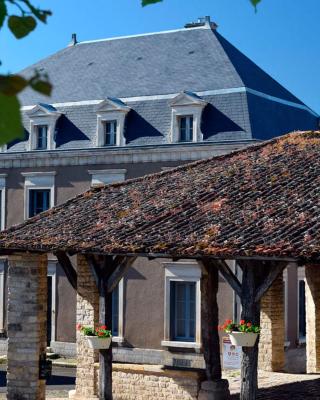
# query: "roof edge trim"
[[241, 89], [143, 34]]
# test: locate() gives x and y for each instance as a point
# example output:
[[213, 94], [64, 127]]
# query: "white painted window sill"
[[118, 339], [187, 345]]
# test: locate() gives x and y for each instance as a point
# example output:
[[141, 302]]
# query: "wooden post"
[[210, 322], [257, 277], [105, 356], [214, 387], [250, 312]]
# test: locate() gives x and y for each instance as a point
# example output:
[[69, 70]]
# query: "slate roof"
[[195, 59], [263, 201]]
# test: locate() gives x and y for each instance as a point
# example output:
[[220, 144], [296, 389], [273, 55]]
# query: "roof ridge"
[[142, 35]]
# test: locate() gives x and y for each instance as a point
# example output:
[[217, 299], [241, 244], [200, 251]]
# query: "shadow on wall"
[[214, 122], [137, 127], [66, 132]]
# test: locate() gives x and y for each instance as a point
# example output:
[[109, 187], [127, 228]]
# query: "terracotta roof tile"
[[262, 201]]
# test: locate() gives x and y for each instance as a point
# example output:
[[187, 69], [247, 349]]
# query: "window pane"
[[42, 132], [115, 311], [110, 133], [302, 309], [183, 310], [186, 128], [39, 200]]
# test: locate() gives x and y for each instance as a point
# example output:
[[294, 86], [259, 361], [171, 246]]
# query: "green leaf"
[[255, 3], [41, 86], [3, 12], [11, 85], [40, 14], [10, 119], [21, 26], [147, 2]]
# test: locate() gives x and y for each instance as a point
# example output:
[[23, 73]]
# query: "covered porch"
[[257, 206]]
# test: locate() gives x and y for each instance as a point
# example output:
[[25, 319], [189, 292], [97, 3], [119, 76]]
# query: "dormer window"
[[43, 119], [111, 115], [110, 128], [186, 128], [41, 137], [187, 110]]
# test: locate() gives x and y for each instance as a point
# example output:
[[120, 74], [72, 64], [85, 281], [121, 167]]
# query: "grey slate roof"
[[196, 59], [190, 60]]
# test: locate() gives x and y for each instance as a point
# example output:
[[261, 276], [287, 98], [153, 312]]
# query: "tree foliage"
[[22, 18]]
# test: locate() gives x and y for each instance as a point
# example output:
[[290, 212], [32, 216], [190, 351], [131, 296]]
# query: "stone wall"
[[88, 315], [27, 329], [152, 382], [272, 337]]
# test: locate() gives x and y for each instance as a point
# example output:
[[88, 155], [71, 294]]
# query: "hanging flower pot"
[[97, 343], [243, 334], [244, 339], [99, 338]]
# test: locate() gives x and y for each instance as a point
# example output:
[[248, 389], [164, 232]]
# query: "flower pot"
[[244, 339], [97, 343]]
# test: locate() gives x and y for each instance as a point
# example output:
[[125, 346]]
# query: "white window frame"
[[106, 176], [120, 338], [38, 181], [40, 115], [3, 200], [187, 271], [111, 110], [52, 271], [184, 105]]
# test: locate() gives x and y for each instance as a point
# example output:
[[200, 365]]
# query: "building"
[[126, 107]]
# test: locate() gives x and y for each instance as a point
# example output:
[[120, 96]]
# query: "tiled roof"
[[263, 201]]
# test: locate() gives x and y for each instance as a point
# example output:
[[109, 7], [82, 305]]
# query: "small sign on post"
[[231, 355]]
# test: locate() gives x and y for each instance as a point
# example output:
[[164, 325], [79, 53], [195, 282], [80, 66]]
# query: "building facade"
[[123, 108]]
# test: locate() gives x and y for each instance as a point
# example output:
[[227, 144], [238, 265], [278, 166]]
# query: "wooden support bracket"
[[67, 267], [228, 275]]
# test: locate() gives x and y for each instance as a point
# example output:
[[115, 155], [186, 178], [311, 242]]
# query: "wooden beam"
[[95, 269], [67, 267], [273, 271], [119, 272], [253, 274], [210, 321], [228, 275], [105, 356]]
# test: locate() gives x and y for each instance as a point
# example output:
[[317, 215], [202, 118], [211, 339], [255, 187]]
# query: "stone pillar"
[[272, 321], [88, 315], [313, 318], [27, 325]]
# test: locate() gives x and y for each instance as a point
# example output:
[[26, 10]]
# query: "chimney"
[[202, 21], [73, 40]]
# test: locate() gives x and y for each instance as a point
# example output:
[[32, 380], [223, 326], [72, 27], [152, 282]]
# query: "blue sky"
[[282, 37]]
